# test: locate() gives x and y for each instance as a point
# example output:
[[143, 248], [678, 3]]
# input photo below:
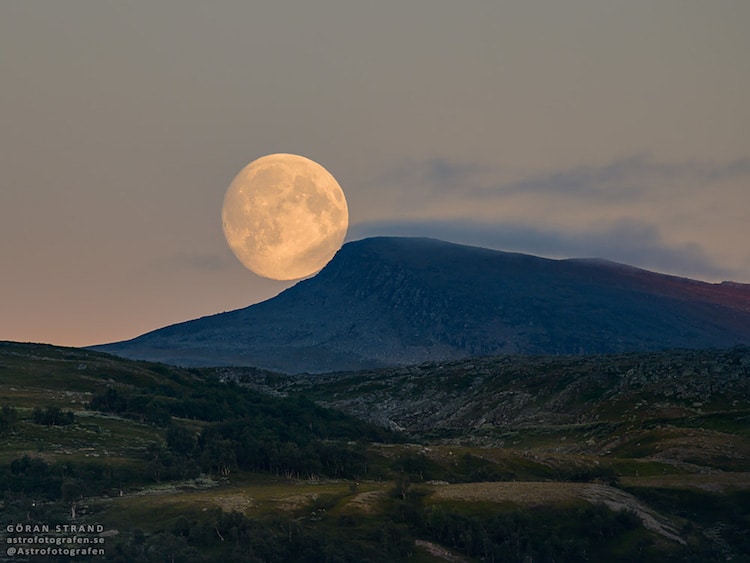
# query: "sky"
[[618, 130]]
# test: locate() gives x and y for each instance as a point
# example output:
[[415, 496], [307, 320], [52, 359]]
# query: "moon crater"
[[284, 216]]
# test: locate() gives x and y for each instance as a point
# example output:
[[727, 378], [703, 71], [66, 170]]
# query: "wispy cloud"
[[680, 217], [623, 179], [630, 242], [612, 182], [437, 173], [627, 178]]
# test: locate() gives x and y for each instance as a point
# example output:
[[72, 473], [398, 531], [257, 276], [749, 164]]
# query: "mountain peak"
[[389, 301]]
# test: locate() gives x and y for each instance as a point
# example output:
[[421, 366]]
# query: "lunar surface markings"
[[284, 216]]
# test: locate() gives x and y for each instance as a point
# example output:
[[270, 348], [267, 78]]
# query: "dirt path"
[[530, 493], [615, 499], [365, 502], [440, 552]]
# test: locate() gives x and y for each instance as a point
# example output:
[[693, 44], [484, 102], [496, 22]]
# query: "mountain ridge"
[[388, 301]]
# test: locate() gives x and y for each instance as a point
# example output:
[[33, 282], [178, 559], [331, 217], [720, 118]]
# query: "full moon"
[[284, 216]]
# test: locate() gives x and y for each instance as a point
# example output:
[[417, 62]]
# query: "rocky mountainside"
[[484, 398], [397, 301]]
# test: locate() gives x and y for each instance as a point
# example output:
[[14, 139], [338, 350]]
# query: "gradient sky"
[[617, 129]]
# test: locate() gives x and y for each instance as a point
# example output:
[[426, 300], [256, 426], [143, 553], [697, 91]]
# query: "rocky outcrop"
[[512, 392]]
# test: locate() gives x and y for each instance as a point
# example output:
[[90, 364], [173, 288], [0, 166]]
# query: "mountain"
[[390, 301]]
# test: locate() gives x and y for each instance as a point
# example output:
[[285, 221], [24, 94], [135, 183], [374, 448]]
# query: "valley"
[[629, 457]]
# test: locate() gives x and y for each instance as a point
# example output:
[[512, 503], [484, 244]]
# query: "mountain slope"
[[481, 400], [396, 301]]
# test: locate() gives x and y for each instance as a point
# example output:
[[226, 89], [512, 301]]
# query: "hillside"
[[399, 301], [617, 458], [490, 401]]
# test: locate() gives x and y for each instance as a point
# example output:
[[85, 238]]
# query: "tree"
[[8, 417], [181, 440], [219, 455], [52, 416], [72, 491]]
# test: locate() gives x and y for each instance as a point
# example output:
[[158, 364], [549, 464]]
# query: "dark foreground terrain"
[[635, 457]]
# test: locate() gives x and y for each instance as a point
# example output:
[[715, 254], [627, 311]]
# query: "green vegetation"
[[186, 467], [52, 416], [227, 427], [8, 418]]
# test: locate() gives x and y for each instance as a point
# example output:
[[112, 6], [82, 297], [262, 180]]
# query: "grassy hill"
[[628, 458]]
